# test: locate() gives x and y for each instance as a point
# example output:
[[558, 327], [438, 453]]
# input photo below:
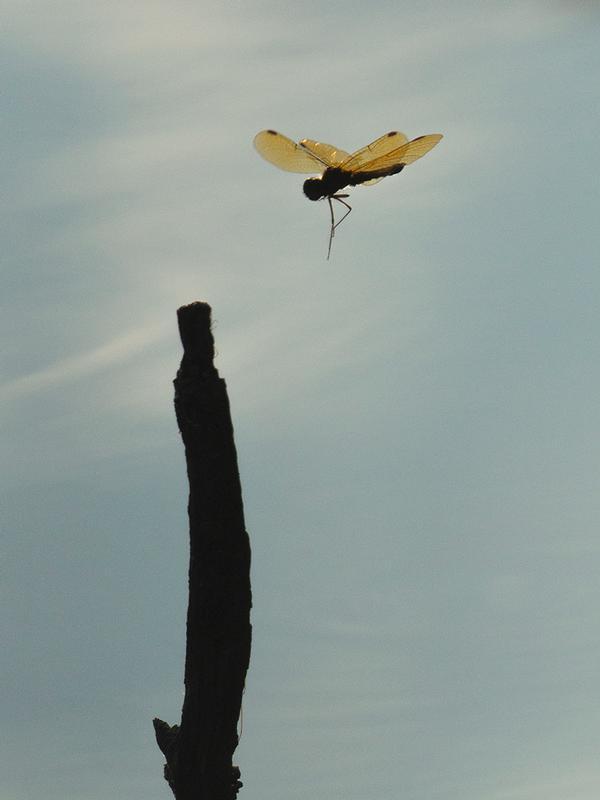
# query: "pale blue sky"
[[416, 419]]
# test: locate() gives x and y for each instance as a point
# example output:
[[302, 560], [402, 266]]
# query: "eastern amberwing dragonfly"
[[387, 155]]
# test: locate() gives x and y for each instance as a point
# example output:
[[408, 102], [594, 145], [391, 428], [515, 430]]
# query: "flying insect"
[[387, 155]]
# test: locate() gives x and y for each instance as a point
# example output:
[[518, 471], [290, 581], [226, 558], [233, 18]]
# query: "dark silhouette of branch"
[[199, 751]]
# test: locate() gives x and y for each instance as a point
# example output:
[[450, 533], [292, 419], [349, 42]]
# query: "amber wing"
[[405, 154], [277, 149], [327, 154], [380, 147]]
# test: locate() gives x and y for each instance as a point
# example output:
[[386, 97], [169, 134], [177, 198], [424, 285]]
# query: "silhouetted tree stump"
[[199, 751]]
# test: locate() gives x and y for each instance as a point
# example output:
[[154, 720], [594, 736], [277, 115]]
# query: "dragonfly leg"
[[335, 224], [339, 197], [332, 229]]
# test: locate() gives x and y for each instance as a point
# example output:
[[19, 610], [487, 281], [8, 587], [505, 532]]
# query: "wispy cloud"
[[117, 351]]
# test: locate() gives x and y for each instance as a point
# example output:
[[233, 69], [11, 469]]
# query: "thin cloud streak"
[[117, 351]]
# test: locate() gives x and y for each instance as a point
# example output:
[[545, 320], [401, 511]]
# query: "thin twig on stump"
[[199, 751]]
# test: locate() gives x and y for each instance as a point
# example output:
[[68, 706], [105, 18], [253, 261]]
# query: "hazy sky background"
[[416, 419]]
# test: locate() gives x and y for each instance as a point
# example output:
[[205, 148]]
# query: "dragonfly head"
[[313, 189]]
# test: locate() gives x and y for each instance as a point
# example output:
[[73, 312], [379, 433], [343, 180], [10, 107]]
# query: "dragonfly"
[[387, 155]]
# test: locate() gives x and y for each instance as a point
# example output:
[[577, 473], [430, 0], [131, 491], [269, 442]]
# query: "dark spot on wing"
[[273, 133], [393, 133]]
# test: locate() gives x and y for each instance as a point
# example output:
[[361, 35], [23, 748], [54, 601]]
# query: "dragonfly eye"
[[313, 188]]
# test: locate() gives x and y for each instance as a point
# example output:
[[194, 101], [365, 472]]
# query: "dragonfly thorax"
[[330, 182]]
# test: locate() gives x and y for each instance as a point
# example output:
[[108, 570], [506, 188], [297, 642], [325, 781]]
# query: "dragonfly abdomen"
[[335, 178], [363, 177]]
